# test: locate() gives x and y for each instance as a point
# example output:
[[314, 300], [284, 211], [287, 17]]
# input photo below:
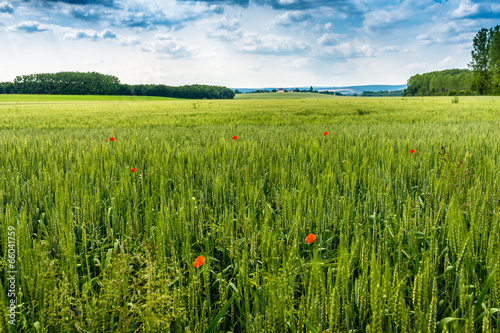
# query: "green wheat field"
[[403, 195]]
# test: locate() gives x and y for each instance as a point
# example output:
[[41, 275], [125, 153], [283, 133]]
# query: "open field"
[[405, 242], [73, 98]]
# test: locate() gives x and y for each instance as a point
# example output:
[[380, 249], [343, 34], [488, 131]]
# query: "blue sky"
[[241, 43]]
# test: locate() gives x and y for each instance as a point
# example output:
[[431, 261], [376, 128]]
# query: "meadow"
[[402, 195]]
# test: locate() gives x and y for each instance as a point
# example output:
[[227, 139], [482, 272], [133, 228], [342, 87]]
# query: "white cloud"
[[349, 50], [292, 18], [377, 20], [94, 62], [90, 34], [389, 49], [464, 37], [425, 39], [166, 45], [163, 37], [416, 65], [445, 62], [107, 34], [227, 29], [82, 34], [174, 34], [28, 27], [229, 23], [129, 41], [271, 44], [466, 8], [323, 27], [329, 39]]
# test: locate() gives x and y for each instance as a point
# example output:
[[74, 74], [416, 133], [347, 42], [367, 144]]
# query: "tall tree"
[[494, 58], [480, 61]]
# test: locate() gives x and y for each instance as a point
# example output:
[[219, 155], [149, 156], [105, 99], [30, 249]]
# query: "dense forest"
[[447, 82], [483, 78], [76, 83]]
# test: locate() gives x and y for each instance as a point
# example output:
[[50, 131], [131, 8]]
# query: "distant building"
[[291, 90], [280, 90]]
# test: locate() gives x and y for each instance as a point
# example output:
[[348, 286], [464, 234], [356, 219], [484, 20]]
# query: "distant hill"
[[349, 90]]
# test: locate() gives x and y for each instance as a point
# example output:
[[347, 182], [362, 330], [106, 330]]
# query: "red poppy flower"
[[235, 137], [133, 170], [199, 261], [326, 133], [310, 239], [112, 139], [412, 151]]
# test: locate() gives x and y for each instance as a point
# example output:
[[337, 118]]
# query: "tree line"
[[382, 93], [482, 77], [92, 83], [450, 82]]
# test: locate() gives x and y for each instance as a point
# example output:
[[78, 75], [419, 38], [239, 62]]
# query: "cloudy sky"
[[241, 43]]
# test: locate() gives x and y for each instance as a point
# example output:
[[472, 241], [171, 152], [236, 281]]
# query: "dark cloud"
[[284, 4], [305, 4], [6, 8], [86, 14], [218, 9], [140, 16], [107, 3], [242, 3], [50, 3], [146, 20]]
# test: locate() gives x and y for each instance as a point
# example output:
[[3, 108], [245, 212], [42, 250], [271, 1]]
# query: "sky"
[[241, 43]]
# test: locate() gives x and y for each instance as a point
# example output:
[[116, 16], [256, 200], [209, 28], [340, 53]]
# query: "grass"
[[405, 242], [72, 98]]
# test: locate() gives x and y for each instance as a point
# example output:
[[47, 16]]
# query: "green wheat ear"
[[405, 242]]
